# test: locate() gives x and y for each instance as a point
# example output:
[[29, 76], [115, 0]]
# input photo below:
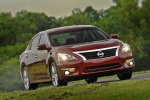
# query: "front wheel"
[[91, 79], [124, 75], [55, 77], [26, 80]]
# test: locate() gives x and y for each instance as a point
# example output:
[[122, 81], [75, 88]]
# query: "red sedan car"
[[70, 53]]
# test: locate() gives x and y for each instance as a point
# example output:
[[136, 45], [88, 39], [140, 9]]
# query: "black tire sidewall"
[[125, 75], [91, 79]]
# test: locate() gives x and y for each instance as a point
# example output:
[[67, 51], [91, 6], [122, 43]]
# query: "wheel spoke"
[[26, 79], [54, 75]]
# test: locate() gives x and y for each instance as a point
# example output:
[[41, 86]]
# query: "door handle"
[[35, 56], [26, 55]]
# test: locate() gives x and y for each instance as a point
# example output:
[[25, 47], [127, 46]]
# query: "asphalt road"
[[134, 77], [115, 79]]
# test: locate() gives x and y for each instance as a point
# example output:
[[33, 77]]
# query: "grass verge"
[[121, 90]]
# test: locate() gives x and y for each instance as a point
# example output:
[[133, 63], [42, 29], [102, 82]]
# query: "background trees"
[[127, 19]]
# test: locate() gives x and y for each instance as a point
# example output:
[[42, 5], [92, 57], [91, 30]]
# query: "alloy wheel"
[[54, 75], [26, 79]]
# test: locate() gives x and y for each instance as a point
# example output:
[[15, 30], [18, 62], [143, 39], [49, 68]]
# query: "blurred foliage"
[[9, 67], [126, 18], [10, 77]]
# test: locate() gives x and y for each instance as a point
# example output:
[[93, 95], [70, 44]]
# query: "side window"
[[35, 43], [43, 39]]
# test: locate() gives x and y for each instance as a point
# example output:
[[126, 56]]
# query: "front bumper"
[[95, 67]]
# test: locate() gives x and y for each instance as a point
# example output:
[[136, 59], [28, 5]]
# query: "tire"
[[91, 80], [125, 75], [26, 80], [55, 77]]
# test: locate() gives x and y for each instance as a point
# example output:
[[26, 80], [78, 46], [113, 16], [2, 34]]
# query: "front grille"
[[102, 67], [99, 53]]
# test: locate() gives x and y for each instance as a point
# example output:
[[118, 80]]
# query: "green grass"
[[121, 90]]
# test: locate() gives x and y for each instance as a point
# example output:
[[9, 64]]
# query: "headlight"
[[65, 57], [125, 48]]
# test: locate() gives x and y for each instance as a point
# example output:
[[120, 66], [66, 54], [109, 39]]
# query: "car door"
[[42, 55], [32, 59]]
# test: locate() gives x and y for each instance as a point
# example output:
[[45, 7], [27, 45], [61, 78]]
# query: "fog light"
[[131, 63], [128, 61], [67, 72], [72, 70]]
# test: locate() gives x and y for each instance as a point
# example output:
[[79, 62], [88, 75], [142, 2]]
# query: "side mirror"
[[115, 36], [42, 47]]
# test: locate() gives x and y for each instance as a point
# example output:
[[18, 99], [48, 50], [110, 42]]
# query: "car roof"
[[65, 28]]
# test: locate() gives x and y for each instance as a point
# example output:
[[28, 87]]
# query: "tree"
[[77, 18], [132, 24]]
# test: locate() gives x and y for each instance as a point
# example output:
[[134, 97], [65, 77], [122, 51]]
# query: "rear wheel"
[[26, 80], [124, 75], [91, 79], [55, 77]]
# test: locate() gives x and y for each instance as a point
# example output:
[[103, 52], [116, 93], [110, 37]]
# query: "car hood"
[[89, 45]]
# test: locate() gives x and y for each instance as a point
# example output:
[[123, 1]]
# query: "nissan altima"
[[71, 53]]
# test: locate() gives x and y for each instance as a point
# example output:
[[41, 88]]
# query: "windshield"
[[77, 36]]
